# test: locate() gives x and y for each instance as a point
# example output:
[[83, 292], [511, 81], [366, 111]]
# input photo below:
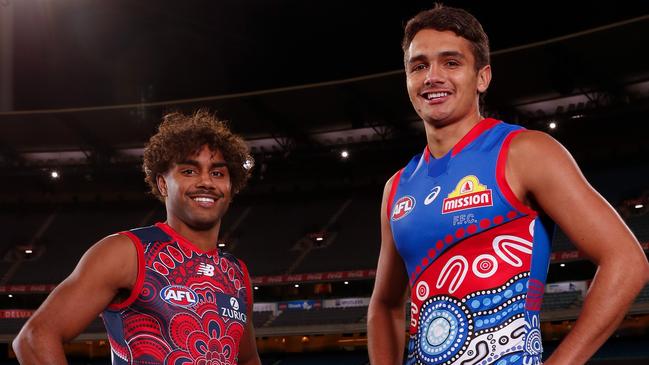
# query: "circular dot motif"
[[422, 290], [484, 266], [533, 342], [442, 330], [438, 331]]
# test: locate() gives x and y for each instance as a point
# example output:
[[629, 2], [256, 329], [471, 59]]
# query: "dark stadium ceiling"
[[93, 78]]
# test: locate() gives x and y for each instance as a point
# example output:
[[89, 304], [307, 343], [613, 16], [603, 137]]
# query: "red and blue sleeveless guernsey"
[[476, 257], [187, 306]]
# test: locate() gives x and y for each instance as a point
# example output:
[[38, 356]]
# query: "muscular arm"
[[106, 267], [386, 312], [539, 169]]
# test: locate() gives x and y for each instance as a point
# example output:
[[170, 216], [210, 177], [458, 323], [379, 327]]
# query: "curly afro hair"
[[181, 135]]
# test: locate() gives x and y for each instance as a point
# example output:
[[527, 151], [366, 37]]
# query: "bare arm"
[[386, 312], [541, 170], [248, 354], [106, 267]]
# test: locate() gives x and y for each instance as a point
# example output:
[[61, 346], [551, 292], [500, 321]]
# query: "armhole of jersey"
[[140, 274], [501, 177], [393, 191], [246, 277]]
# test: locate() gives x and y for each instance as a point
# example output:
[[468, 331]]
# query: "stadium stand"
[[259, 319], [552, 301], [320, 316], [356, 243]]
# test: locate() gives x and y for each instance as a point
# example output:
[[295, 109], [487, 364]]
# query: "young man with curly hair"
[[166, 293], [466, 225]]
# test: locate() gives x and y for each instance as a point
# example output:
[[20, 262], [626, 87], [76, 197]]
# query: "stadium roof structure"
[[594, 79]]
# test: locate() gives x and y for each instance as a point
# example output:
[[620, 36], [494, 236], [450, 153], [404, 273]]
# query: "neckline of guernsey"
[[184, 241], [475, 132]]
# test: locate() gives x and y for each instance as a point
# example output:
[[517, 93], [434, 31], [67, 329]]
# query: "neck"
[[205, 240], [441, 137]]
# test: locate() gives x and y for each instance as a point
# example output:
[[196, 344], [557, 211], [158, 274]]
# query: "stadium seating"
[[564, 300], [320, 316]]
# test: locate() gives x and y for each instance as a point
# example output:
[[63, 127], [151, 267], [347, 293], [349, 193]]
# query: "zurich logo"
[[234, 303], [433, 194]]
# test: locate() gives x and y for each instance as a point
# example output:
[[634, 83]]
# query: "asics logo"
[[205, 269], [433, 194]]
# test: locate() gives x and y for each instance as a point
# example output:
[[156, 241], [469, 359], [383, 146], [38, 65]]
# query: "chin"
[[202, 224], [436, 121]]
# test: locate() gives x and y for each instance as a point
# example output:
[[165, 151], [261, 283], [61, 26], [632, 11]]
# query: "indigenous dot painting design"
[[183, 312]]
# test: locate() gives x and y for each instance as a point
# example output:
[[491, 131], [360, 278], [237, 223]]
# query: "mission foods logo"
[[403, 207], [468, 193], [178, 295]]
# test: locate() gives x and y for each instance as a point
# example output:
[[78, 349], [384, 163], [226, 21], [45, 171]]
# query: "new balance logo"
[[205, 269]]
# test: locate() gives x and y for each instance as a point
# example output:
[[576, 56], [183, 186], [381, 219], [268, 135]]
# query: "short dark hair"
[[459, 21], [181, 135]]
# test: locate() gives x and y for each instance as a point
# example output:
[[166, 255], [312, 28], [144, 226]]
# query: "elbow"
[[21, 343], [636, 269], [375, 309], [29, 340]]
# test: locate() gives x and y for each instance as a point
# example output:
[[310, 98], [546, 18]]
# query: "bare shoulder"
[[113, 258], [388, 185], [530, 143], [117, 243], [113, 248], [535, 157]]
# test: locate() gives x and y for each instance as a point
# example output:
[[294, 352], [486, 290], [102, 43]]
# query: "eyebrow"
[[196, 164], [443, 54]]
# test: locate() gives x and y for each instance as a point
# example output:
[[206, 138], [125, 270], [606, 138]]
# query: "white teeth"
[[205, 200], [436, 95]]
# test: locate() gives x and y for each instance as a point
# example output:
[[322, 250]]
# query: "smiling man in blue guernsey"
[[167, 294], [466, 224]]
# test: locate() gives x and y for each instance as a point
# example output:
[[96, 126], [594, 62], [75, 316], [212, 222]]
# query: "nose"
[[433, 76], [206, 181]]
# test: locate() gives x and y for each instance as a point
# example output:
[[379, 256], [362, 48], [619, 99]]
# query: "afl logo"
[[178, 295], [403, 207]]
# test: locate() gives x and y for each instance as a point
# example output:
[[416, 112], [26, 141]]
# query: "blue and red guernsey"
[[476, 257], [187, 306]]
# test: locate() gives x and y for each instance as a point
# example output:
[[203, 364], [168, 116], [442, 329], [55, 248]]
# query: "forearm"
[[612, 292], [34, 348], [385, 335]]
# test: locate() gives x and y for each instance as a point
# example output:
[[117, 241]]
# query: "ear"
[[162, 185], [484, 78]]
